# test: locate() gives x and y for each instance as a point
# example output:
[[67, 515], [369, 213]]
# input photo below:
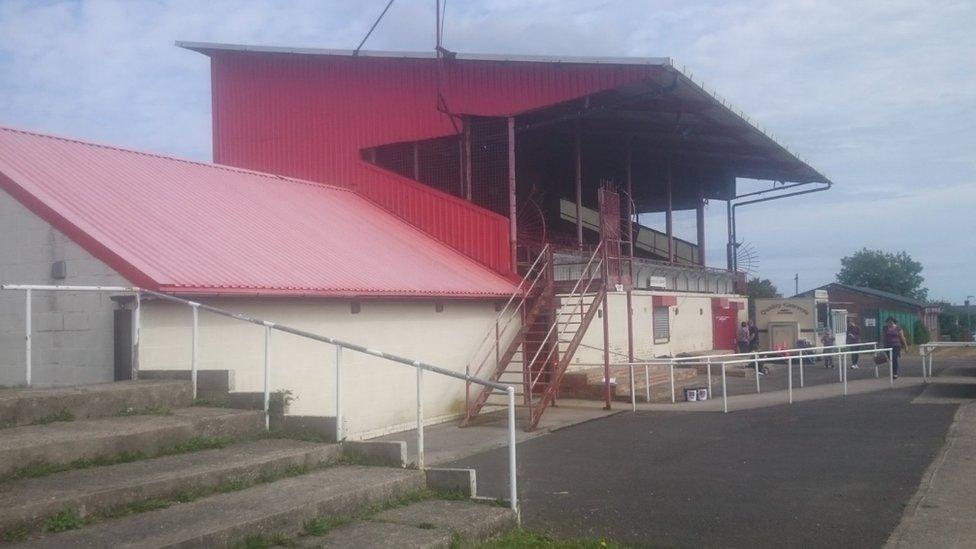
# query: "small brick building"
[[869, 308]]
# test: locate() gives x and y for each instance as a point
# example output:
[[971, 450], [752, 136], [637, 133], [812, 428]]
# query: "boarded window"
[[662, 325]]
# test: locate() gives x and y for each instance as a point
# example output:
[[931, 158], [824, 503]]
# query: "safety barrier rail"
[[754, 359], [927, 350], [273, 326]]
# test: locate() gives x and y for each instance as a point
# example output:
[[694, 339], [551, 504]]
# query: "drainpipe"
[[731, 210]]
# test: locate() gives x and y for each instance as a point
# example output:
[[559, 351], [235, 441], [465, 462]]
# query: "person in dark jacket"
[[853, 336], [753, 336], [894, 338], [742, 338]]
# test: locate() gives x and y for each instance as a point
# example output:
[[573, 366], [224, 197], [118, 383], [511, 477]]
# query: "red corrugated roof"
[[182, 226]]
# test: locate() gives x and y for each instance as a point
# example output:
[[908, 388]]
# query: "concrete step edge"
[[26, 503], [223, 520], [142, 436], [29, 406]]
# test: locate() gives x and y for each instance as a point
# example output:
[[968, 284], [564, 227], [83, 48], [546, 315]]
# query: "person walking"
[[742, 337], [894, 338], [853, 336]]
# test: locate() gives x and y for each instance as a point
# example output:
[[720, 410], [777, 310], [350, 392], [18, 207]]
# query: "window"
[[662, 325]]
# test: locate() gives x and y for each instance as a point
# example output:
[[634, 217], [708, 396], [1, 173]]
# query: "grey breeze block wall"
[[72, 332]]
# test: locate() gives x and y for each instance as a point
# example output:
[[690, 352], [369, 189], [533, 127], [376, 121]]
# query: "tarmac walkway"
[[943, 511]]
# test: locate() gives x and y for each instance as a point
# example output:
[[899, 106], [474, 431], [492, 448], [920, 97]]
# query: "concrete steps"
[[26, 503], [427, 524], [160, 475], [281, 507], [29, 406], [137, 436]]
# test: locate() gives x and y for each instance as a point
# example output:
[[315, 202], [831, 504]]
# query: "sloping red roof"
[[181, 226]]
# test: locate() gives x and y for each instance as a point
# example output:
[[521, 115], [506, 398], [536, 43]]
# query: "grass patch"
[[62, 415], [322, 526], [63, 521], [154, 410], [18, 533], [523, 539]]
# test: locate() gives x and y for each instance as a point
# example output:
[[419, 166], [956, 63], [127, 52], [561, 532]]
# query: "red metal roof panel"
[[183, 226]]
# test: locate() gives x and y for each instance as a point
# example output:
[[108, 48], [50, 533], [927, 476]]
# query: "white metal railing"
[[928, 350], [269, 326], [754, 359]]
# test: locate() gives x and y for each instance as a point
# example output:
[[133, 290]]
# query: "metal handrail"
[[579, 305], [927, 350], [269, 326], [755, 361], [538, 274], [665, 360]]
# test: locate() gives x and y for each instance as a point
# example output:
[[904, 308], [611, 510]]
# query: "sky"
[[878, 95]]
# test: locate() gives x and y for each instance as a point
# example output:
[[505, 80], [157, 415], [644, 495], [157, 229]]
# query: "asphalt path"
[[830, 473]]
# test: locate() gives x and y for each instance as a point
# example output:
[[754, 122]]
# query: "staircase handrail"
[[498, 330]]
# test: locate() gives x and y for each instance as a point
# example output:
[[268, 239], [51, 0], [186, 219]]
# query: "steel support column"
[[700, 224], [467, 159], [669, 219], [513, 228], [579, 184]]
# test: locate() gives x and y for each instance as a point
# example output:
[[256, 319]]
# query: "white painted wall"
[[379, 396], [72, 332], [691, 326]]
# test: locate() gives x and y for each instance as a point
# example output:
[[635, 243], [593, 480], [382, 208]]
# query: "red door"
[[724, 316]]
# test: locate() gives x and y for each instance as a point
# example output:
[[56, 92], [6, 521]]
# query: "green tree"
[[895, 273], [759, 288]]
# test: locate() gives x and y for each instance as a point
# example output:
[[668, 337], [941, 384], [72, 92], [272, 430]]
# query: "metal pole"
[[194, 354], [27, 340], [725, 393], [512, 195], [789, 377], [338, 394], [891, 368], [843, 364], [801, 369], [755, 361], [647, 384], [420, 417], [512, 469], [136, 334], [579, 184], [669, 218], [606, 338], [671, 365], [267, 375], [925, 359], [708, 372], [633, 390]]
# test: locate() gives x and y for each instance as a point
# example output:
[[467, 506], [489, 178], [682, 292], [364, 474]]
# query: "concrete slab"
[[448, 441], [27, 406], [88, 491], [225, 519], [941, 512], [470, 521], [148, 435], [380, 535]]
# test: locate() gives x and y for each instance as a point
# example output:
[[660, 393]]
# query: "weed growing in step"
[[18, 533], [264, 542], [63, 521], [154, 410], [206, 403], [427, 526], [322, 526], [63, 415]]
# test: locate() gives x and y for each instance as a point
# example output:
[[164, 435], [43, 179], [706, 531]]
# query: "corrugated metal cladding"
[[182, 226], [309, 116]]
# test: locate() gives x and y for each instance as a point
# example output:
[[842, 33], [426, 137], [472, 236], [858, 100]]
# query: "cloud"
[[880, 95]]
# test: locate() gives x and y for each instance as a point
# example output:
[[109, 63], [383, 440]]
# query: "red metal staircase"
[[533, 354]]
